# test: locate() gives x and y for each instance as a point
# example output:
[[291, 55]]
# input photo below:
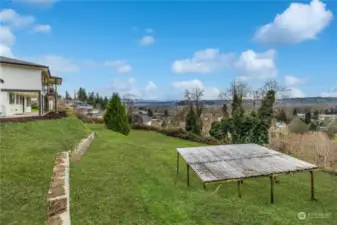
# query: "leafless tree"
[[240, 87], [193, 98], [130, 100]]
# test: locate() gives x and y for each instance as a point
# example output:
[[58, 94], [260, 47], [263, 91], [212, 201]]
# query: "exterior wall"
[[3, 103], [7, 109], [20, 77]]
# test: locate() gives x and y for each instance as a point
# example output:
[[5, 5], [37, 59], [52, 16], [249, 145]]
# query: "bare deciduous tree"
[[193, 97], [129, 100]]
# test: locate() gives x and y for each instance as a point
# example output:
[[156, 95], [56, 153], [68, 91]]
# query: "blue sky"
[[156, 50]]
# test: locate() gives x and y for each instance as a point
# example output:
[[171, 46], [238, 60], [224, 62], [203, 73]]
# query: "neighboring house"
[[84, 106], [24, 81]]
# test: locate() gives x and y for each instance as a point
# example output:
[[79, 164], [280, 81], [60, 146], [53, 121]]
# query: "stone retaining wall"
[[82, 147], [58, 194]]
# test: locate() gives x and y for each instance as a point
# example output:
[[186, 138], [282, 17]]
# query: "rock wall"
[[58, 194], [82, 147]]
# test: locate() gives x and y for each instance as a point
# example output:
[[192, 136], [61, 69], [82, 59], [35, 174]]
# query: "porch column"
[[40, 104], [55, 98]]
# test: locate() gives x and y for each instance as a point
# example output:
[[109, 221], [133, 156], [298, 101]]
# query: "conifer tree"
[[115, 116]]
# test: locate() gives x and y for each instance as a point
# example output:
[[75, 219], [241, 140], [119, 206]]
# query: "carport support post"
[[188, 174], [312, 185], [271, 189], [239, 188], [177, 163]]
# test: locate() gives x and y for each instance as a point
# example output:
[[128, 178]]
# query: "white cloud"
[[6, 36], [291, 81], [57, 64], [150, 91], [294, 92], [331, 93], [120, 66], [151, 86], [297, 23], [13, 19], [190, 84], [44, 28], [147, 40], [6, 40], [149, 30], [204, 61], [5, 51], [253, 65], [209, 92], [123, 86]]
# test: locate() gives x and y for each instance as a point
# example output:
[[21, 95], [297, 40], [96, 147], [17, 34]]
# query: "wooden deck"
[[232, 162]]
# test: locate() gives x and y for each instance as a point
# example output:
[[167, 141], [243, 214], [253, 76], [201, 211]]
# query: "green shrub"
[[298, 126], [178, 133], [115, 116], [332, 129], [191, 124], [35, 106]]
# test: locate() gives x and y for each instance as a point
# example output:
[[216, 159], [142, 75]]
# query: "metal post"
[[188, 174], [239, 188], [177, 163], [312, 185], [271, 189]]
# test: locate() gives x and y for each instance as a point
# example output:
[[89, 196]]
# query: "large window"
[[11, 98], [28, 101]]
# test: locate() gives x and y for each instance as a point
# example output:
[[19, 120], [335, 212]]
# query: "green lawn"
[[132, 180], [28, 152]]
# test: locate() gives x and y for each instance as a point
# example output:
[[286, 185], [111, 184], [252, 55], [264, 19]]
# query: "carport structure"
[[240, 161]]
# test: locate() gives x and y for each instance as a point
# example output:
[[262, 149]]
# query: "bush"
[[332, 130], [35, 106], [298, 126], [115, 116], [178, 133]]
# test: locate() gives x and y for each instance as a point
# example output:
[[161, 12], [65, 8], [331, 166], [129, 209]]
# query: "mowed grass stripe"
[[132, 180]]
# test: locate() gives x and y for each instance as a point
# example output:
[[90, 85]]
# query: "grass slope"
[[132, 180], [27, 157]]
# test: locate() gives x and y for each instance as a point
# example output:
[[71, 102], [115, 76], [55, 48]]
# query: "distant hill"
[[288, 101]]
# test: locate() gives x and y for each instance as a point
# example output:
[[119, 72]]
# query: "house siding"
[[18, 78]]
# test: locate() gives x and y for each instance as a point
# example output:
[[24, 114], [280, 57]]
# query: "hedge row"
[[173, 132], [178, 133]]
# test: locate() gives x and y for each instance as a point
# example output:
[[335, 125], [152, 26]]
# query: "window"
[[28, 102], [11, 98], [17, 99]]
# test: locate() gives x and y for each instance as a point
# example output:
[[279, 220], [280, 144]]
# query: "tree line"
[[91, 98]]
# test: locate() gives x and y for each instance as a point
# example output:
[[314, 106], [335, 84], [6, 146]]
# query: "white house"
[[20, 81]]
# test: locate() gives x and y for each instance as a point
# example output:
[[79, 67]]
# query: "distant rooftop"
[[19, 62]]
